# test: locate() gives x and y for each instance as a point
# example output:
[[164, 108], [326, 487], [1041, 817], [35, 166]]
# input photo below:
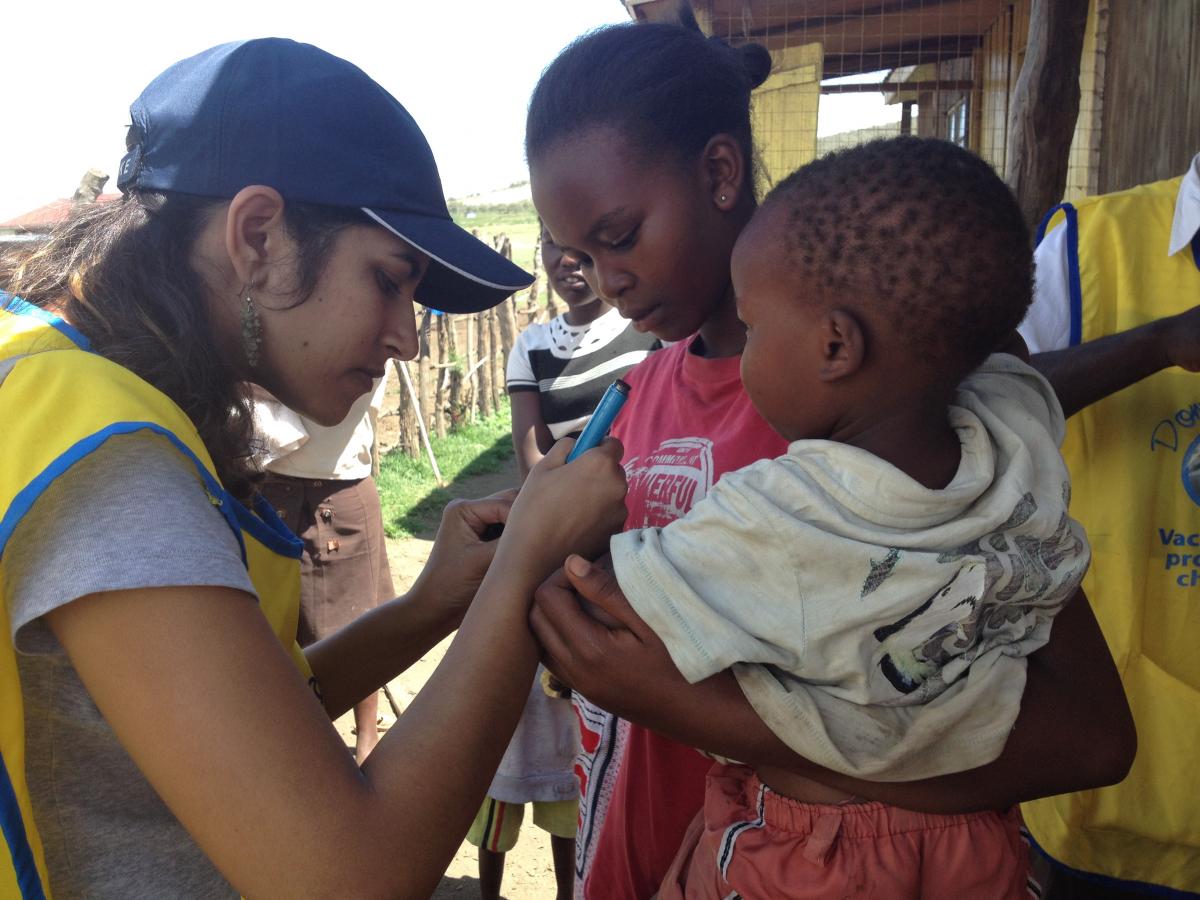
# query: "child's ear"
[[843, 345]]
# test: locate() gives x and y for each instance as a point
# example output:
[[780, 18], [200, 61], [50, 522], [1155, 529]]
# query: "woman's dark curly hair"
[[121, 272]]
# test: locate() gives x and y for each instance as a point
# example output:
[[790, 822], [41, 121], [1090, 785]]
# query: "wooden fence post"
[[531, 300], [426, 370], [469, 372], [1045, 105], [410, 438], [445, 362], [498, 356], [483, 374]]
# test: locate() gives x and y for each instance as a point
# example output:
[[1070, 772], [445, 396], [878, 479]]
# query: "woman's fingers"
[[597, 584]]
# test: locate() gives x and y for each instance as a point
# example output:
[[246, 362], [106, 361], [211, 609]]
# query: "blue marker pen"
[[606, 411], [593, 433]]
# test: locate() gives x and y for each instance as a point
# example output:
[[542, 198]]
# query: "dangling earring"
[[251, 331]]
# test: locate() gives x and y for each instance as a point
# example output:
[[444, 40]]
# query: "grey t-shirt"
[[131, 514]]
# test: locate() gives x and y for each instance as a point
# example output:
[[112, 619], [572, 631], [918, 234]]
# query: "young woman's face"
[[564, 272], [322, 354], [647, 235]]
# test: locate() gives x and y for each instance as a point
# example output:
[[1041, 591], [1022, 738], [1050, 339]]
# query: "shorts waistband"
[[863, 820]]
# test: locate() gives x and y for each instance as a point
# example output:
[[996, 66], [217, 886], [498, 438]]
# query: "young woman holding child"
[[639, 148], [281, 213]]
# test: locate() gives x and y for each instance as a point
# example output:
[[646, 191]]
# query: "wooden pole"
[[410, 436], [532, 300], [483, 351], [469, 394], [1045, 106], [412, 395], [443, 376], [496, 348], [426, 371], [456, 408]]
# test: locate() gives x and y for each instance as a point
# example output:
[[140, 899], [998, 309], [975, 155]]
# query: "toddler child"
[[877, 589]]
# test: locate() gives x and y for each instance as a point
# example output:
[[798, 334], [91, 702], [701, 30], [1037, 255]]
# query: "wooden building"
[[952, 66]]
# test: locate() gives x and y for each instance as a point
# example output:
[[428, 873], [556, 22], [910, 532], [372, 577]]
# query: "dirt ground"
[[528, 872]]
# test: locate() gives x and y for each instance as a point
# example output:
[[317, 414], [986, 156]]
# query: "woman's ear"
[[255, 236], [843, 345], [725, 171]]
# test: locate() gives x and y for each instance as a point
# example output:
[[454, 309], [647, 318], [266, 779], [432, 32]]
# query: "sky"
[[463, 68]]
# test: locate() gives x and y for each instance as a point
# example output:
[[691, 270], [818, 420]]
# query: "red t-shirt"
[[687, 422]]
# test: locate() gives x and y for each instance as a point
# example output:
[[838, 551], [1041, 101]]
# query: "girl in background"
[[557, 373]]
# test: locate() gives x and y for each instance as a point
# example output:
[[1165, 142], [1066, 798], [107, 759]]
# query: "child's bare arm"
[[1074, 730], [531, 436]]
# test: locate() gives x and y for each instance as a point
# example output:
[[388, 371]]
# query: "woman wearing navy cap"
[[281, 213]]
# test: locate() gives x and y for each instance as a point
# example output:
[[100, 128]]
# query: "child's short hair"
[[921, 228]]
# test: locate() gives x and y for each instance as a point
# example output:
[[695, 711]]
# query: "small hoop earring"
[[251, 331]]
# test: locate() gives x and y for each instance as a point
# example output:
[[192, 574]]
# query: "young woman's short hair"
[[666, 87], [925, 229]]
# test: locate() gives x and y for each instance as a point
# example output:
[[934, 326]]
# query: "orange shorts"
[[749, 841]]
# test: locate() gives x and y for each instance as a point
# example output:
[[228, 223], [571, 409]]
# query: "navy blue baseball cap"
[[317, 129]]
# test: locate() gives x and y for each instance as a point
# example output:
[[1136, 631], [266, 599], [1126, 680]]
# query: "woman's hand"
[[566, 508], [594, 641], [461, 555]]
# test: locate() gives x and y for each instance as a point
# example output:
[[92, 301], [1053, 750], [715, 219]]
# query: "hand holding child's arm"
[[1073, 732]]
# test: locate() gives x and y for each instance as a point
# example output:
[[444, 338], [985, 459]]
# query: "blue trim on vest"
[[1042, 225], [29, 494], [268, 529], [24, 308], [1076, 293], [28, 880], [1196, 249], [1139, 887]]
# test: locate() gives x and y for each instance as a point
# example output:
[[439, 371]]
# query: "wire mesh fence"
[[849, 71]]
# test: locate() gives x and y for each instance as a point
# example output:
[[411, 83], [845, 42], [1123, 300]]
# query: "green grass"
[[517, 220], [412, 502]]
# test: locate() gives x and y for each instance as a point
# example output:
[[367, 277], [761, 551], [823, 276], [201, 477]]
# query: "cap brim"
[[465, 275]]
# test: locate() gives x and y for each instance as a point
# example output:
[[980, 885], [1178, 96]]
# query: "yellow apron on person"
[[1135, 468], [58, 402]]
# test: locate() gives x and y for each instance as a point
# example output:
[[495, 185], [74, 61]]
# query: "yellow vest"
[[1131, 458], [58, 402]]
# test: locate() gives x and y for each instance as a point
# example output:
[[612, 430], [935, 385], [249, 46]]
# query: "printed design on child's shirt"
[[668, 482], [880, 570], [1005, 585]]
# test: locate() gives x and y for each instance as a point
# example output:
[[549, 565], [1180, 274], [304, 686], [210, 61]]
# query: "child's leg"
[[491, 874], [560, 819], [366, 734], [494, 832], [563, 851]]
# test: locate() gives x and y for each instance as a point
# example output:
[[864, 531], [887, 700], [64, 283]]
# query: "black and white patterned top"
[[571, 366]]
